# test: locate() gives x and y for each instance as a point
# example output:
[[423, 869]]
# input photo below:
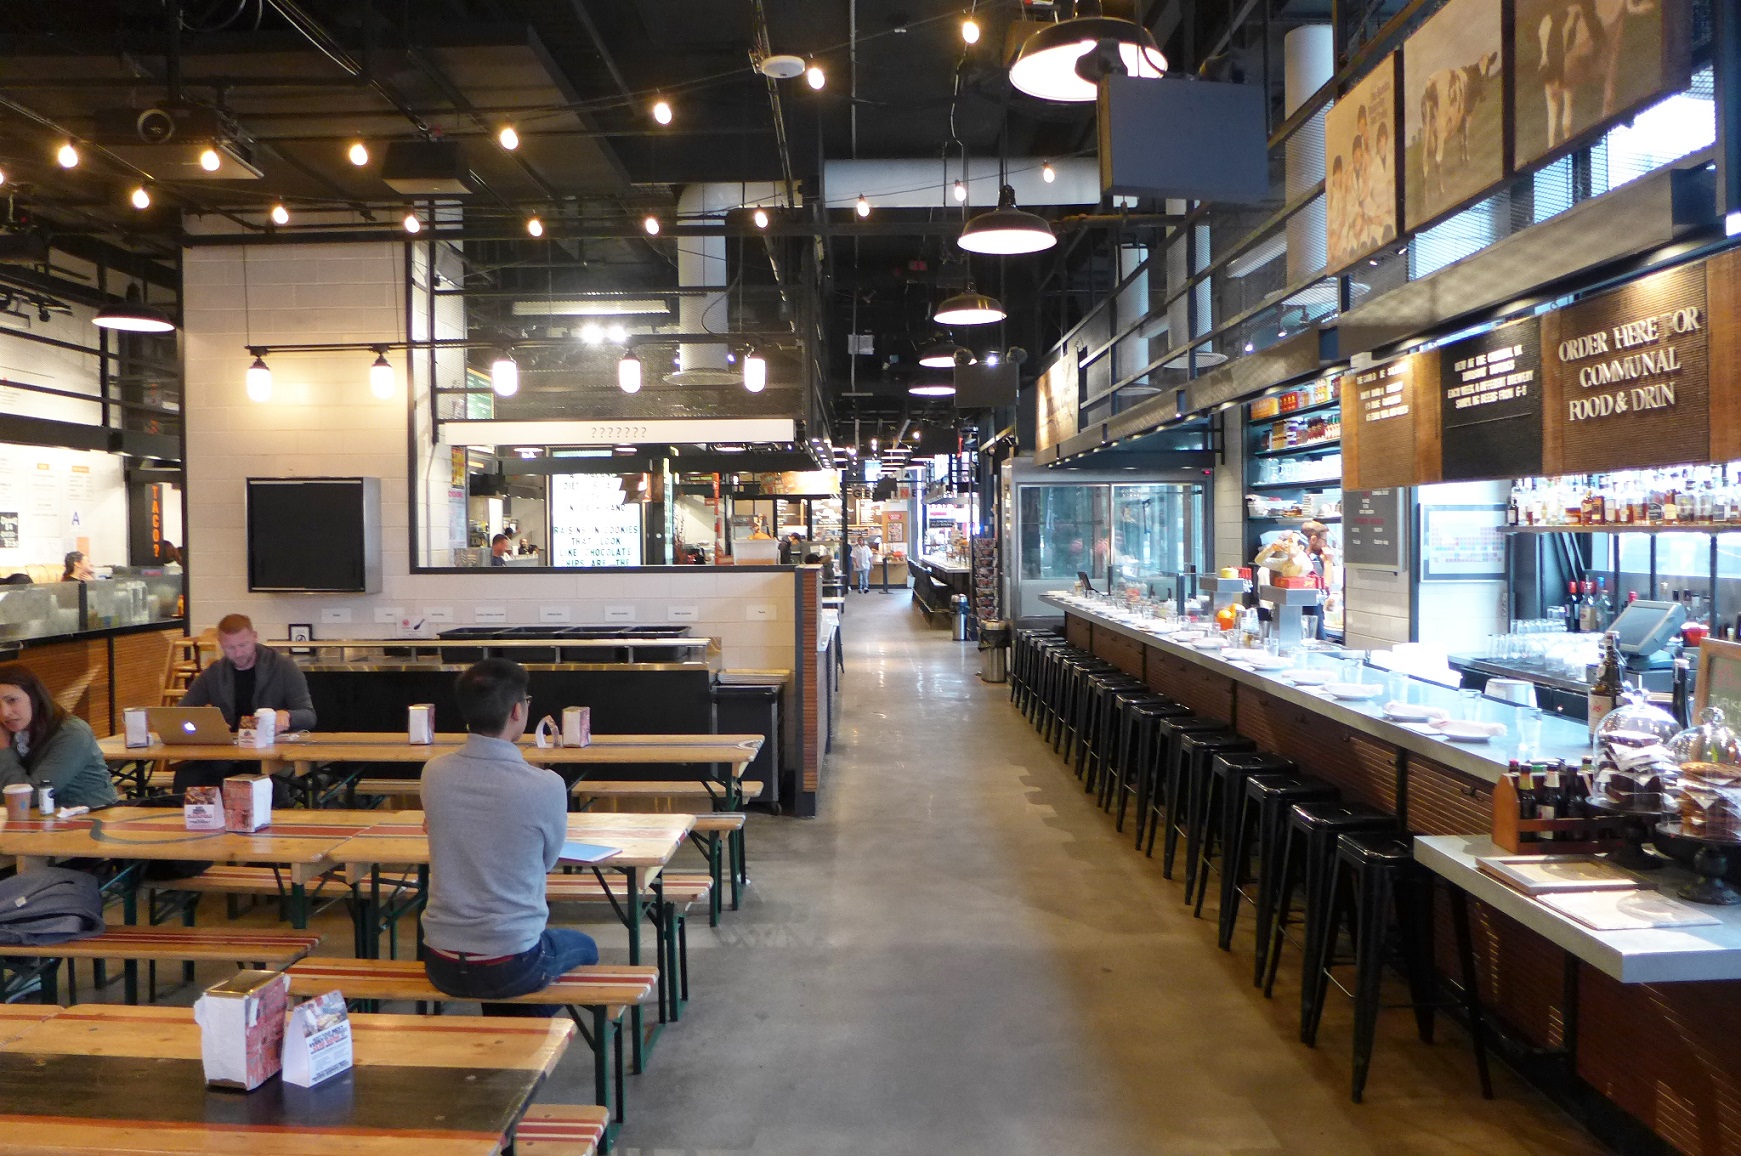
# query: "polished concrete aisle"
[[959, 957]]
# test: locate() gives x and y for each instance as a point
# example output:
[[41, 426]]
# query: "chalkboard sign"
[[1372, 527], [1719, 680], [1491, 404]]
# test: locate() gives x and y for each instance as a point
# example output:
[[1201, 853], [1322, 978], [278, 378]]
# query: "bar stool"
[[1263, 814], [1184, 787], [1048, 694], [1220, 794], [1152, 801], [1078, 668], [1308, 857], [1136, 746], [1099, 728]]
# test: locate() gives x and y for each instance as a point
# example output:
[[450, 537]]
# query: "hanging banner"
[[1490, 412]]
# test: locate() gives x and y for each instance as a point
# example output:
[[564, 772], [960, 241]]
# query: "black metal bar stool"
[[1152, 801], [1257, 832], [1136, 747], [1073, 700], [1100, 726], [1185, 787], [1049, 697], [1308, 856], [1220, 794]]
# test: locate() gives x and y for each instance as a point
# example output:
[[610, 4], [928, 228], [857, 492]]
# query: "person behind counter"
[[496, 826], [78, 568], [247, 678], [499, 550], [43, 745]]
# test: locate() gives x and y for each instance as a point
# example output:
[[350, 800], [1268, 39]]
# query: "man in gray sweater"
[[247, 678], [496, 827]]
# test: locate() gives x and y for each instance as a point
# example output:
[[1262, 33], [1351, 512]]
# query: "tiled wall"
[[323, 421], [1228, 495]]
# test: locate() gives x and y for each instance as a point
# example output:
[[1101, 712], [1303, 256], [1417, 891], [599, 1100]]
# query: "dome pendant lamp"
[[1046, 66], [969, 308], [1007, 230]]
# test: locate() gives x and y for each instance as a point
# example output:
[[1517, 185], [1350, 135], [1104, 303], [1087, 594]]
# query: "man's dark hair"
[[498, 538], [487, 692]]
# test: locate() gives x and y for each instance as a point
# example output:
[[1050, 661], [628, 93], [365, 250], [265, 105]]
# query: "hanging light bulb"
[[2, 176], [1045, 67], [651, 224], [67, 156], [815, 77], [629, 372], [280, 214], [359, 153], [259, 378], [209, 160], [505, 374], [412, 224], [970, 30], [534, 226], [617, 333], [141, 197], [508, 138], [863, 206], [662, 111], [755, 372], [761, 218], [960, 192], [381, 376], [1007, 229], [1048, 173]]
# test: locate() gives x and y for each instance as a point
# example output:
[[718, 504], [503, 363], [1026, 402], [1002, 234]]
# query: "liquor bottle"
[[1573, 618], [1580, 788], [1588, 623], [1605, 691], [1604, 604], [1511, 515]]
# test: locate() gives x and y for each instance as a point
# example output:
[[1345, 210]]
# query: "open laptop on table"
[[181, 726]]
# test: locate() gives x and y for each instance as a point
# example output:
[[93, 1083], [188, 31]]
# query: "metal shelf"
[[1328, 445], [1324, 483], [1293, 413], [1669, 528]]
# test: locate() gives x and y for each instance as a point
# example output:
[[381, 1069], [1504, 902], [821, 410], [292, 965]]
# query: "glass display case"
[[133, 597]]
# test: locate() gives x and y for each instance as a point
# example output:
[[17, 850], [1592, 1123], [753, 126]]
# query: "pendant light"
[[505, 374], [259, 378], [134, 318], [932, 389], [755, 372], [1046, 65], [381, 376], [969, 308], [1007, 230], [629, 373], [940, 355]]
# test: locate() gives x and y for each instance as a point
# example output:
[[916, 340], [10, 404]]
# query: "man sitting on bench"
[[496, 826]]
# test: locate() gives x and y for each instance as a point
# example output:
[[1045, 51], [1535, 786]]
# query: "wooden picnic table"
[[102, 1078]]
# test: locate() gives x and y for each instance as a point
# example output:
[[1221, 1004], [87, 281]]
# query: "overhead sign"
[[1490, 413], [1372, 528], [1384, 423]]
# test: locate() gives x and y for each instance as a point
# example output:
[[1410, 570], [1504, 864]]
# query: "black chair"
[[1257, 832], [1099, 723], [1152, 801], [1216, 808], [1136, 748], [1185, 787]]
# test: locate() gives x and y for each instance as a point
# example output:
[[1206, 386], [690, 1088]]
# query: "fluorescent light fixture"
[[755, 372], [932, 389], [1045, 67], [381, 381], [134, 319], [970, 308], [593, 307], [259, 380], [505, 375], [1007, 230], [629, 373]]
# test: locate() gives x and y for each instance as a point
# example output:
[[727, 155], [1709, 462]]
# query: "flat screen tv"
[[314, 535]]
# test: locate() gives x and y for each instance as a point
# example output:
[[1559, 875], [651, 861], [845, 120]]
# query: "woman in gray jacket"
[[43, 745]]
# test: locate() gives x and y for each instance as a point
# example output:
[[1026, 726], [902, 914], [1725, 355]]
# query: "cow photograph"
[[1582, 64], [1360, 167], [1453, 108]]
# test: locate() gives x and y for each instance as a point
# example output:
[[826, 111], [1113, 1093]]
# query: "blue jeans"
[[558, 950], [863, 577]]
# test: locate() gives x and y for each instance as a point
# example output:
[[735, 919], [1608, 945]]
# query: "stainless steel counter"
[[1559, 739]]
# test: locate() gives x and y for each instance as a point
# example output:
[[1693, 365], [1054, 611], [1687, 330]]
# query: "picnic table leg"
[[298, 906], [130, 967], [714, 872], [418, 906], [633, 919]]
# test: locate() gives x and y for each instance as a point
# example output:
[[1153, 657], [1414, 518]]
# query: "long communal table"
[[100, 1078]]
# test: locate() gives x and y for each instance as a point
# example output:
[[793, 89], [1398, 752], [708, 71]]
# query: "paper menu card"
[[317, 1040], [1541, 874], [573, 852], [1627, 910]]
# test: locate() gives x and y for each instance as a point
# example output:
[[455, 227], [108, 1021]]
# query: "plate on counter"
[[1264, 660], [1353, 691], [1459, 731], [1309, 677], [1239, 654], [1413, 712], [1208, 644]]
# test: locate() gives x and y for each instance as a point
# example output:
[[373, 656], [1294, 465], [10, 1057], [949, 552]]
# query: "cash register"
[[1644, 630]]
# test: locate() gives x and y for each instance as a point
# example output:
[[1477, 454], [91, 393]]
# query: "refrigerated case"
[[1061, 522]]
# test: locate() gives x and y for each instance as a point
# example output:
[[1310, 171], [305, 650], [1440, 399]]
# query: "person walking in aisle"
[[861, 564]]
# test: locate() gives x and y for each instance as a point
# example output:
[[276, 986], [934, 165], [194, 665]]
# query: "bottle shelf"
[[1664, 528], [1308, 411], [1319, 483], [1329, 445]]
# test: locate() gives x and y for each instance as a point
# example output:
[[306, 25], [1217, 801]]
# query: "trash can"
[[994, 646], [958, 617], [753, 709]]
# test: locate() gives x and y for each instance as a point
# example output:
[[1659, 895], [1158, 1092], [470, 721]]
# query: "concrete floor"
[[959, 956]]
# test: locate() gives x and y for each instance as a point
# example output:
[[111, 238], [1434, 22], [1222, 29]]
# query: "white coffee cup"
[[18, 800]]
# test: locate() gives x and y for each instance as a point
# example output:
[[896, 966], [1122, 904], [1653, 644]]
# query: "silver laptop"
[[180, 726]]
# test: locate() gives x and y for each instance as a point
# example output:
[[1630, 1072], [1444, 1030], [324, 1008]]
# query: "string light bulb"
[[1048, 173], [412, 224], [381, 376], [755, 372], [960, 192], [259, 379], [662, 111], [534, 226], [629, 373], [970, 30], [815, 77], [651, 224], [2, 176], [67, 156], [280, 214], [359, 153], [209, 160], [761, 218], [141, 197], [508, 138], [505, 374], [863, 206]]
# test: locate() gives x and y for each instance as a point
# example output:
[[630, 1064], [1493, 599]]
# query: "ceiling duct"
[[426, 168], [701, 263]]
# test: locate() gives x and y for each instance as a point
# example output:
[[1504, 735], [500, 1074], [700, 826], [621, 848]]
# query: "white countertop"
[[1560, 739], [1660, 955]]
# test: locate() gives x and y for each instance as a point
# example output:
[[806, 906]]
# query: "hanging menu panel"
[[1372, 527], [1389, 438], [1490, 412], [1627, 377]]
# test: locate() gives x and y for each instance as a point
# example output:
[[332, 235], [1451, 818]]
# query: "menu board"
[[1490, 414], [1372, 528], [1384, 424], [1627, 376]]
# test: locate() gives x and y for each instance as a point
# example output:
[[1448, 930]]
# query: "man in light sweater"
[[496, 826]]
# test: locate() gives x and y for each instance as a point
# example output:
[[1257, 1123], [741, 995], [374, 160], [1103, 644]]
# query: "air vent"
[[426, 168]]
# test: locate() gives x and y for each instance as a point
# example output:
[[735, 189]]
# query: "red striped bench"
[[269, 950], [561, 1130]]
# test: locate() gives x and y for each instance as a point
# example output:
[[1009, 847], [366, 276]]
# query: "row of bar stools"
[[1214, 810], [1154, 800], [1098, 725], [1026, 654], [1137, 741], [1184, 786], [1258, 830], [1111, 760], [1074, 667], [1078, 701]]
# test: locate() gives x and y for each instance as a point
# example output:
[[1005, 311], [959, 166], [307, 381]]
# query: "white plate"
[[1412, 712], [1208, 644], [1263, 660], [1467, 732], [1239, 654], [1309, 677], [1187, 637], [1353, 691]]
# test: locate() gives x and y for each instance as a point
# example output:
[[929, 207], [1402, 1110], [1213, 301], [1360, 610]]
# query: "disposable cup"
[[18, 801]]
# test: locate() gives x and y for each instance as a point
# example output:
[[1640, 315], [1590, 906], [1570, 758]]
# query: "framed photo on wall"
[[1462, 543], [1360, 168], [1453, 109], [1582, 65], [301, 632]]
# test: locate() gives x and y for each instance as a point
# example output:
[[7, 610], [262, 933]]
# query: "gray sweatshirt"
[[70, 761], [496, 827], [279, 684]]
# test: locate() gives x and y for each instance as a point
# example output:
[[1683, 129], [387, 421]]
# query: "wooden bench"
[[680, 893], [562, 1130], [231, 880], [604, 991], [268, 950]]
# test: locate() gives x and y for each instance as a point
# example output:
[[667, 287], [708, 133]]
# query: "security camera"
[[155, 126]]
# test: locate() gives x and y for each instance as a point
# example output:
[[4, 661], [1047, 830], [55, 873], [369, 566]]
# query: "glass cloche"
[[1634, 768], [1708, 791]]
